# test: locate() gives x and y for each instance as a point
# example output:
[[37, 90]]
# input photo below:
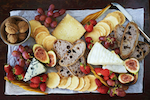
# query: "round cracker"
[[53, 80], [93, 85], [106, 26], [122, 17], [34, 24], [48, 42], [81, 84], [101, 29], [63, 82], [86, 84], [111, 25], [74, 83], [40, 36], [95, 34], [39, 29], [115, 15]]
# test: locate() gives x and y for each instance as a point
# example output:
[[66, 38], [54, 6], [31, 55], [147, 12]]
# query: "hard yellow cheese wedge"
[[99, 55]]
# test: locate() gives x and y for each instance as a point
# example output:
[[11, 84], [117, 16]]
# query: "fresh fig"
[[35, 46], [135, 78], [41, 55], [125, 78], [52, 57], [132, 65]]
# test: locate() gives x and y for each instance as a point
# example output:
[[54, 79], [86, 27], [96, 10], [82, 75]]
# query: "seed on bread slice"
[[129, 40]]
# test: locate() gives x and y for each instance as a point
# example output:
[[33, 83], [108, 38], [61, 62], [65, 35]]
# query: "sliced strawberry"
[[105, 72], [87, 69], [93, 22], [88, 40], [17, 70], [97, 70], [106, 78], [44, 78], [113, 76], [103, 89], [7, 68], [21, 76], [43, 87], [34, 85], [88, 27], [82, 68], [98, 82], [35, 79], [11, 76]]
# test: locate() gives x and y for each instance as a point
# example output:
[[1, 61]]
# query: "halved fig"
[[41, 55], [135, 78], [132, 65], [52, 57], [35, 46], [125, 78]]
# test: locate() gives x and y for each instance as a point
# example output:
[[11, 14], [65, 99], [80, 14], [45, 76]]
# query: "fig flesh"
[[132, 65], [52, 57], [125, 78], [41, 55], [35, 46]]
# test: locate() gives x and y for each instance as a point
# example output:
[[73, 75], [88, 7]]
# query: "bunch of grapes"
[[49, 20], [110, 42], [23, 55]]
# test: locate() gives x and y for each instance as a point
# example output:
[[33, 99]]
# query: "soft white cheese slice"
[[99, 55], [116, 68], [35, 68]]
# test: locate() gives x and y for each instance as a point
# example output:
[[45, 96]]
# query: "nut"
[[11, 28], [12, 38], [23, 26], [10, 20], [22, 36]]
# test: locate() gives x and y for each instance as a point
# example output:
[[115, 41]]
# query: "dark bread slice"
[[118, 31], [138, 53], [61, 47], [73, 54], [145, 47], [129, 40]]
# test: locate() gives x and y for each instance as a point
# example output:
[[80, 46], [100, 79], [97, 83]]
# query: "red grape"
[[117, 50], [21, 48], [53, 24], [50, 13], [102, 38], [16, 53], [27, 62], [30, 51], [62, 11], [120, 92], [106, 44], [40, 11], [42, 17], [46, 24], [56, 14], [37, 17], [21, 62], [27, 47], [48, 20], [26, 55], [110, 82], [51, 7]]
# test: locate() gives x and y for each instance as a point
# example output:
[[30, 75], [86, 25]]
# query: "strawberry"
[[93, 22], [106, 78], [44, 78], [97, 70], [88, 27], [98, 82], [105, 72], [35, 79], [17, 70], [34, 85], [90, 45], [43, 87], [85, 69], [103, 89], [113, 76], [21, 76], [88, 40], [7, 68], [11, 76]]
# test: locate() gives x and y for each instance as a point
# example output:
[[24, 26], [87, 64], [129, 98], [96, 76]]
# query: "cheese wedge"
[[99, 55], [116, 68]]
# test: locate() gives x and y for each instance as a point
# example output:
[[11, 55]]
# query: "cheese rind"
[[99, 55], [116, 68], [35, 68]]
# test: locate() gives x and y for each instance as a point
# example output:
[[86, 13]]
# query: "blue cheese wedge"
[[99, 55], [35, 68]]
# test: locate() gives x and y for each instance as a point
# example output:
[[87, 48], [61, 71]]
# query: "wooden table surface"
[[8, 5]]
